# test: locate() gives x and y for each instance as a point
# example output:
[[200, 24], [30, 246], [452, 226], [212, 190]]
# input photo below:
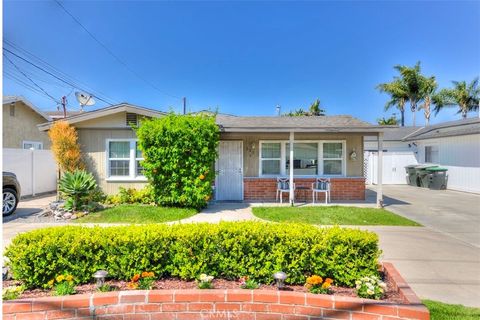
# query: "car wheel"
[[10, 201]]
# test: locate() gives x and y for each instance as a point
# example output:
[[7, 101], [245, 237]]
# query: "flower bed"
[[224, 303]]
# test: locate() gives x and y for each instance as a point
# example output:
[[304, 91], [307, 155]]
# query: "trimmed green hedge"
[[226, 250]]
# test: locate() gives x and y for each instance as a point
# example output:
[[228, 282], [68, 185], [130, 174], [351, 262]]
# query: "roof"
[[447, 129], [340, 123], [122, 107], [394, 134], [13, 99], [59, 114]]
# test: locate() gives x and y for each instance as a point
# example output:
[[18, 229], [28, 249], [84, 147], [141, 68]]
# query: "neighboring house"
[[57, 115], [396, 155], [454, 145], [20, 120], [253, 152]]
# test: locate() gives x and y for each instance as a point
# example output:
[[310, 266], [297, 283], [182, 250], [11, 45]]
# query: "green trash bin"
[[422, 175], [411, 174], [438, 178]]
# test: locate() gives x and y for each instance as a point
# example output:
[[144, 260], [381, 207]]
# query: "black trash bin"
[[438, 178]]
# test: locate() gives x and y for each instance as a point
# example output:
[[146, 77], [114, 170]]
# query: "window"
[[124, 160], [305, 159], [270, 158], [35, 145], [12, 110], [431, 154], [311, 158]]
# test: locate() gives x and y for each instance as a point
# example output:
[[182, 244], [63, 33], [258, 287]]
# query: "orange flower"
[[314, 280], [202, 177], [329, 281], [326, 285], [135, 278], [132, 285], [144, 274], [151, 274]]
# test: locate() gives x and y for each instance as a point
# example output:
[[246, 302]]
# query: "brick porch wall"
[[341, 189]]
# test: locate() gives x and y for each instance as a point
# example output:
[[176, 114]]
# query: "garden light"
[[280, 277], [100, 277]]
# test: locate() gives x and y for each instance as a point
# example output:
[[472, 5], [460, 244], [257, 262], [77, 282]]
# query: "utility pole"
[[64, 106], [184, 105]]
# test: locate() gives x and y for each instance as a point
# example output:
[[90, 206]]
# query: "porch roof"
[[342, 123]]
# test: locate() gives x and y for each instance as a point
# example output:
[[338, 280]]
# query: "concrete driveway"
[[441, 261]]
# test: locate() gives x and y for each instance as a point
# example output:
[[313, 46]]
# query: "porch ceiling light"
[[99, 276], [280, 277]]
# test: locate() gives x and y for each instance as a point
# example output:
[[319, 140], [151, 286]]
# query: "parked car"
[[11, 193]]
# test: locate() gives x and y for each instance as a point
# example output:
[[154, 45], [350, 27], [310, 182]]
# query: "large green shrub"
[[76, 186], [179, 153], [226, 250]]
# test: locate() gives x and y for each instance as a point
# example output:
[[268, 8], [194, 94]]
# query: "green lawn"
[[443, 311], [137, 214], [332, 215]]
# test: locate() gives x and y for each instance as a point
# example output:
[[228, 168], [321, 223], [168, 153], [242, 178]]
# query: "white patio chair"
[[321, 185], [283, 185]]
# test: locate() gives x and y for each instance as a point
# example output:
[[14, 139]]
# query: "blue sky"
[[244, 57]]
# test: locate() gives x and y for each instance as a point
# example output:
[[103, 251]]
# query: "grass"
[[137, 214], [443, 311], [333, 215]]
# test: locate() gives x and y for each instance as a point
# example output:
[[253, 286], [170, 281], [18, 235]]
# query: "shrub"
[[65, 147], [370, 287], [76, 186], [179, 155], [226, 250], [132, 196], [12, 292]]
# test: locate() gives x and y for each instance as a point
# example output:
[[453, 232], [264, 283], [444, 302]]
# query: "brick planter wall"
[[341, 189], [218, 304]]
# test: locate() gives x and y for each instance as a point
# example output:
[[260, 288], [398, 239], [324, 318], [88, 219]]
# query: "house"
[[56, 115], [20, 120], [454, 145], [253, 152]]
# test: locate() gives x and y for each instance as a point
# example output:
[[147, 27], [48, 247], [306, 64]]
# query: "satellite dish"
[[84, 99]]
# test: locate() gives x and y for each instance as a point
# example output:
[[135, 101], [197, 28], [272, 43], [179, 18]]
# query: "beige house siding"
[[251, 155], [93, 144], [22, 126]]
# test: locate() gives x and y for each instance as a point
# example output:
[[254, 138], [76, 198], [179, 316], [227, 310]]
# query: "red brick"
[[76, 302], [310, 311], [8, 317], [191, 316], [133, 296], [116, 309], [265, 296], [222, 306], [378, 308], [31, 316], [292, 298], [60, 314], [84, 312], [365, 316], [254, 307], [336, 314], [136, 316], [200, 307], [239, 295], [109, 317], [47, 303], [187, 296], [160, 296], [281, 308], [213, 296], [268, 316], [163, 316], [414, 312], [148, 307], [294, 317], [105, 298], [319, 300], [17, 306], [348, 303], [166, 307]]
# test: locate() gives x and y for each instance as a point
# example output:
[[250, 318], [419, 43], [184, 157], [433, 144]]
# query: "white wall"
[[394, 163], [24, 162], [387, 145], [461, 156]]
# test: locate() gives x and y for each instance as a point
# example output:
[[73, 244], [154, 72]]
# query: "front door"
[[229, 182]]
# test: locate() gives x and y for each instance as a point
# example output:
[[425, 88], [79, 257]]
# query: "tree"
[[315, 109], [398, 96], [429, 89], [466, 97], [65, 147], [392, 121]]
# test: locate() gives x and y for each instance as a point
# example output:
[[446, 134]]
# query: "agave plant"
[[76, 185]]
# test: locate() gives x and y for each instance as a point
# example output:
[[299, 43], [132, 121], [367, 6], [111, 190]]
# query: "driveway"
[[441, 261]]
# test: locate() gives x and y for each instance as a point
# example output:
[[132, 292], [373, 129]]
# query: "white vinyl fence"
[[36, 170], [394, 164]]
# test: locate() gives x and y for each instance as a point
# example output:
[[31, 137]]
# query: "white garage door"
[[394, 164]]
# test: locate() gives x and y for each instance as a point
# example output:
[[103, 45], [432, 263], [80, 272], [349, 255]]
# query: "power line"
[[110, 52], [48, 72], [26, 76]]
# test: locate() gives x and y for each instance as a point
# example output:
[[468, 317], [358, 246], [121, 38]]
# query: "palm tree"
[[315, 109], [429, 95], [413, 82], [466, 97], [392, 121], [398, 96]]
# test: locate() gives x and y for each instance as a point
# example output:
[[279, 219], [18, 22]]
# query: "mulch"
[[391, 295]]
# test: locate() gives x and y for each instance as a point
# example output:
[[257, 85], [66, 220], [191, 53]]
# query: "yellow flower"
[[151, 274], [50, 283], [60, 278], [314, 280], [145, 274], [202, 177], [326, 285], [69, 278], [132, 285]]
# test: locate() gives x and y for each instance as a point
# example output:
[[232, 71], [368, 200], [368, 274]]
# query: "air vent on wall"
[[131, 119]]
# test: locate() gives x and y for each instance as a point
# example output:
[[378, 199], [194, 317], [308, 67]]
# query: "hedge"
[[226, 250]]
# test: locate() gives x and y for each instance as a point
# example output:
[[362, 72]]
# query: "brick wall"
[[341, 189], [217, 304]]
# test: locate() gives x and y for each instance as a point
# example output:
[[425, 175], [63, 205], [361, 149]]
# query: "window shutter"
[[131, 119]]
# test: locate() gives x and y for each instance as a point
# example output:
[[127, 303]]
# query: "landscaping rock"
[[73, 217], [67, 215]]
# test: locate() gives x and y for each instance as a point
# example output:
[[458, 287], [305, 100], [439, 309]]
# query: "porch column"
[[292, 192], [380, 171]]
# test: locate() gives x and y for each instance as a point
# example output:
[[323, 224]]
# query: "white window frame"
[[283, 159], [432, 145], [132, 162], [37, 143]]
